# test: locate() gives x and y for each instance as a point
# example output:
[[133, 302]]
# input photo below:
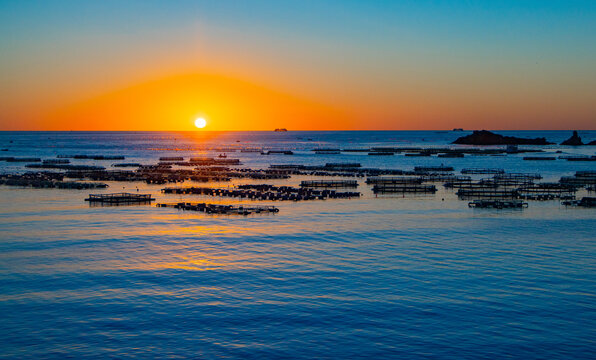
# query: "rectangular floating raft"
[[519, 176], [277, 152], [119, 198], [451, 155], [589, 202], [539, 158], [91, 157], [343, 165], [222, 209], [582, 158], [482, 171], [56, 161], [23, 159], [211, 161], [265, 192], [468, 184], [380, 153], [487, 193], [330, 183], [498, 204], [327, 151], [404, 188]]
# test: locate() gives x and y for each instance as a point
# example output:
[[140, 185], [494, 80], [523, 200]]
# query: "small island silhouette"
[[484, 137]]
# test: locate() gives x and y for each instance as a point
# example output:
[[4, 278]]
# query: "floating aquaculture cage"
[[579, 158], [403, 188], [519, 176], [487, 193], [506, 182], [539, 158], [329, 183], [171, 158], [578, 180], [482, 171], [355, 150], [589, 202], [91, 157], [544, 196], [108, 157], [327, 151], [211, 161], [56, 161], [343, 165], [127, 165], [42, 182], [222, 209], [34, 176], [286, 166], [265, 192], [277, 152], [468, 184], [451, 155], [22, 159], [549, 188], [585, 179], [64, 167], [79, 185], [120, 198], [385, 149], [498, 204], [263, 176], [434, 177], [433, 168]]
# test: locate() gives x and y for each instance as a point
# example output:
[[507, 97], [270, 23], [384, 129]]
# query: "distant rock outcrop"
[[574, 140], [484, 137], [593, 142]]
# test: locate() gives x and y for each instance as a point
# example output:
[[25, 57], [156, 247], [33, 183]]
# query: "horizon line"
[[327, 130]]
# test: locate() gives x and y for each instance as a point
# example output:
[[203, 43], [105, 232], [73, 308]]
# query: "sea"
[[375, 277]]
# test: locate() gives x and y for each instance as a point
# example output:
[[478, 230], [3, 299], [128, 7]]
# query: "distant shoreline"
[[272, 131]]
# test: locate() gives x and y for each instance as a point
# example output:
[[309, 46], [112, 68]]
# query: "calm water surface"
[[415, 277]]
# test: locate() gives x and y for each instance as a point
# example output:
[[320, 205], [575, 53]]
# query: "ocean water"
[[387, 277]]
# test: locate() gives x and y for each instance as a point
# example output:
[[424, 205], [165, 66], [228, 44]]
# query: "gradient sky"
[[258, 65]]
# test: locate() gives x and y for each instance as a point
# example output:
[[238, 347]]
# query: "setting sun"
[[200, 123]]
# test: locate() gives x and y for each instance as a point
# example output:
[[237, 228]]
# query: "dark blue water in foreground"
[[391, 277]]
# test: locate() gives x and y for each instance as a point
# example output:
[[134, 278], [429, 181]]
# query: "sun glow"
[[200, 123]]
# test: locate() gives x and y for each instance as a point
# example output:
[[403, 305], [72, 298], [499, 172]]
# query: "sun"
[[200, 123]]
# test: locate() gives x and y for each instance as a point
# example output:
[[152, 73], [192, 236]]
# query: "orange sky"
[[228, 103], [173, 103], [320, 66]]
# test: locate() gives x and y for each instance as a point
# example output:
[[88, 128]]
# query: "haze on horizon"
[[303, 65]]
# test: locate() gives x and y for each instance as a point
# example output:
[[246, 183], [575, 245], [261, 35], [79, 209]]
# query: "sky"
[[302, 65]]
